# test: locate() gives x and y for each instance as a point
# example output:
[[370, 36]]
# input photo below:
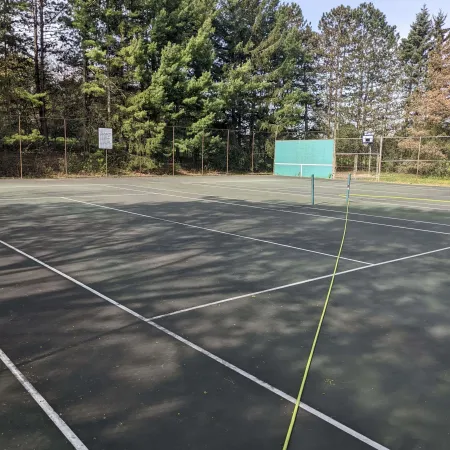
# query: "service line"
[[205, 352]]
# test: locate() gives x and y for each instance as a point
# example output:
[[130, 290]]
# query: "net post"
[[173, 150], [253, 151], [20, 148], [418, 156], [312, 189], [228, 148], [65, 147], [334, 169], [348, 186], [380, 159]]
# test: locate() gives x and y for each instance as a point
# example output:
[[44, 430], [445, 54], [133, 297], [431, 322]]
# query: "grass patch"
[[407, 178]]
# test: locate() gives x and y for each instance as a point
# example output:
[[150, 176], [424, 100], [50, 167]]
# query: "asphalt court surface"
[[161, 245]]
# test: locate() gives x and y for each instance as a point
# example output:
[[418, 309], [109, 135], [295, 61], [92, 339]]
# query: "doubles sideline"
[[37, 397]]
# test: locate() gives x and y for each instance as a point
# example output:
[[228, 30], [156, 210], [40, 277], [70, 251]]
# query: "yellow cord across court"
[[316, 337]]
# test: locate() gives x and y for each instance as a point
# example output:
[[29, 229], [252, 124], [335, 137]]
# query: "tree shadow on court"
[[380, 366], [118, 382]]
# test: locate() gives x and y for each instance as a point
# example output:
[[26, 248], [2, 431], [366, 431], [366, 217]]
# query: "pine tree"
[[439, 31], [414, 51], [336, 29], [265, 64], [14, 62], [431, 106], [180, 90], [372, 83]]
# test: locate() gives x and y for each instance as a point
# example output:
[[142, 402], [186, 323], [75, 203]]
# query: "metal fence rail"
[[70, 149]]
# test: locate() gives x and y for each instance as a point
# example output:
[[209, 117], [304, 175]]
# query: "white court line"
[[3, 186], [378, 217], [287, 211], [51, 413], [297, 164], [298, 283], [212, 230], [318, 195], [18, 199], [358, 185], [280, 210], [173, 190], [225, 363]]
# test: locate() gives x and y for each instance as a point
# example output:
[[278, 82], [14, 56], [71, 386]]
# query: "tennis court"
[[173, 313]]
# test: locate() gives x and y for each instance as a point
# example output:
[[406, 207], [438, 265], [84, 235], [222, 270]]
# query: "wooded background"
[[177, 74]]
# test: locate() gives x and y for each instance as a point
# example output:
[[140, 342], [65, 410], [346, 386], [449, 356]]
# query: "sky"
[[398, 12]]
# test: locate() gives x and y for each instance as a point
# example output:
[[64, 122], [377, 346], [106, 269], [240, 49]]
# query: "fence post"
[[228, 148], [380, 160], [253, 151], [203, 147], [355, 165], [334, 171], [20, 147], [106, 161], [65, 147], [418, 155], [370, 158], [173, 150], [312, 190]]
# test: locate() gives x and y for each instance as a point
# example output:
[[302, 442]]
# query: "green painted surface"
[[304, 158]]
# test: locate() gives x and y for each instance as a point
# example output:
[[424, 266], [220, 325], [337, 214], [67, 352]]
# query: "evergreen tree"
[[336, 29], [372, 84], [358, 70], [180, 91], [430, 107], [414, 51], [265, 63], [439, 29]]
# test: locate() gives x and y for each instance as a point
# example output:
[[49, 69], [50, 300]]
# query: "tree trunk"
[[85, 104], [37, 78], [39, 61]]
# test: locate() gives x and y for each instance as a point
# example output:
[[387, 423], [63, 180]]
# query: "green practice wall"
[[304, 158]]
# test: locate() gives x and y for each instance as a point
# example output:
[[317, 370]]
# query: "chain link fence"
[[361, 160], [422, 156], [392, 157], [70, 148]]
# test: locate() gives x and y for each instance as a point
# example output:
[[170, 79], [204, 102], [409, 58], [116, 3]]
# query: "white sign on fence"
[[105, 138], [367, 138]]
